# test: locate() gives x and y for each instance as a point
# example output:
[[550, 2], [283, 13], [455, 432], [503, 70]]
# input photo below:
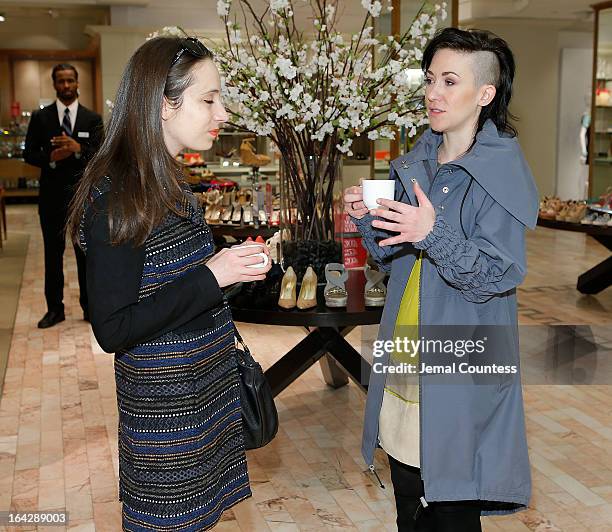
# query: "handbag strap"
[[244, 353], [238, 337]]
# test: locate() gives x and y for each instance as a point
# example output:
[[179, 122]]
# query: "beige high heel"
[[287, 298], [308, 290], [248, 156]]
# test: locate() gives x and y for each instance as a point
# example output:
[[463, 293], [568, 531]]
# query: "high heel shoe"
[[226, 199], [286, 298], [375, 291], [274, 243], [237, 214], [245, 196], [226, 216], [212, 200], [308, 290], [335, 291], [214, 217], [247, 215], [248, 156]]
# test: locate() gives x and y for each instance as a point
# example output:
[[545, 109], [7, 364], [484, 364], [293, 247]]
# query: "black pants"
[[455, 516], [52, 223]]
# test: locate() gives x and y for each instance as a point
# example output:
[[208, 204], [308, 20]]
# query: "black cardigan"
[[119, 320]]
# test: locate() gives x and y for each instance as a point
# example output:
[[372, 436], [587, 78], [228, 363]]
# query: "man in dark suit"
[[61, 139]]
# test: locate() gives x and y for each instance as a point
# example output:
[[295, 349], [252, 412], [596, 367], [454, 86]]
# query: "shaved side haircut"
[[493, 64], [486, 68]]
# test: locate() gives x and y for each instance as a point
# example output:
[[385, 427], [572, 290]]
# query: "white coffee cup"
[[264, 257], [377, 188]]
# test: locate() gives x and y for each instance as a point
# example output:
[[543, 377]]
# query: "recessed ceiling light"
[[2, 17]]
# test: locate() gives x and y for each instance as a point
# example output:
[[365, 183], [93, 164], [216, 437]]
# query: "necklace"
[[457, 157], [462, 153]]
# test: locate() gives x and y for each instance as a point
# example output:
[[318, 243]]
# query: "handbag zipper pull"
[[371, 468]]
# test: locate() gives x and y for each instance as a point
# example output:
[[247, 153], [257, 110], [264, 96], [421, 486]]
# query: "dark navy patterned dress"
[[181, 450]]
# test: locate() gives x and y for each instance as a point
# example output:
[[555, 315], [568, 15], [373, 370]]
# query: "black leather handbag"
[[259, 415]]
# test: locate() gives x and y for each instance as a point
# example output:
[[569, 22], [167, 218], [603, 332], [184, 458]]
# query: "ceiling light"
[[2, 17]]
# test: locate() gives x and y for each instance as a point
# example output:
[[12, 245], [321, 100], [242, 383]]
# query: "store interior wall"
[[574, 101], [203, 15], [536, 45], [33, 28], [43, 32], [33, 82]]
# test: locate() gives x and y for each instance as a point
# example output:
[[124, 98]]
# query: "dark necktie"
[[66, 126]]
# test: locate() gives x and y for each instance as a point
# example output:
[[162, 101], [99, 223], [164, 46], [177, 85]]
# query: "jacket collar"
[[495, 161]]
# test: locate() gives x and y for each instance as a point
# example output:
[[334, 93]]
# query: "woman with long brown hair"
[[155, 294]]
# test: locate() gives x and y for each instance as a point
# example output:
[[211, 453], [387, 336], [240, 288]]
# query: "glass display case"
[[600, 145], [16, 176]]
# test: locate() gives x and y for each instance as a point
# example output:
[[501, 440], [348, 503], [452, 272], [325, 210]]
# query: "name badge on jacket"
[[83, 134]]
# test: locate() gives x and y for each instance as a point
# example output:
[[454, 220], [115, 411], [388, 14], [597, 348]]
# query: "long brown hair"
[[144, 175]]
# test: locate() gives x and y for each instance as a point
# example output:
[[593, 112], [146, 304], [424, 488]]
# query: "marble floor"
[[58, 418]]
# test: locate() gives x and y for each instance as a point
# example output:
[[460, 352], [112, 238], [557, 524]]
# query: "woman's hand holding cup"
[[353, 202], [240, 263]]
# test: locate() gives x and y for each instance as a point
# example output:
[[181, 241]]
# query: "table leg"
[[342, 362], [346, 357], [284, 371], [332, 372], [596, 279], [599, 277]]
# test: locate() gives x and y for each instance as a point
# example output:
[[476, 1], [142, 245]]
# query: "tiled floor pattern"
[[58, 420]]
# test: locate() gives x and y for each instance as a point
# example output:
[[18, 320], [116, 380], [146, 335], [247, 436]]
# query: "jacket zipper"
[[373, 471], [423, 502]]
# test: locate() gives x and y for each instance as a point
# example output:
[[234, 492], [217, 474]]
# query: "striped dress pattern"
[[181, 449]]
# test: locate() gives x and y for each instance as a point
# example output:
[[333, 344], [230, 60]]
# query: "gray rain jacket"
[[473, 444]]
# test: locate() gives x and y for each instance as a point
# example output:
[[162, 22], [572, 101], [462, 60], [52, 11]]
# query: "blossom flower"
[[223, 8], [278, 5]]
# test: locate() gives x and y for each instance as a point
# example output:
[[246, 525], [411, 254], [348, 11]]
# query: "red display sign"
[[15, 109], [354, 254]]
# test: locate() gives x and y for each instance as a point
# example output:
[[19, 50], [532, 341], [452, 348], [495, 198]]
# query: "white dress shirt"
[[74, 106]]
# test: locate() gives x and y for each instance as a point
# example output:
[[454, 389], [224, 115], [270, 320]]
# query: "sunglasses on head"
[[192, 46]]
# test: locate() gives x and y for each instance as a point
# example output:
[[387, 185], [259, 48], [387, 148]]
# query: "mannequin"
[[585, 136], [585, 131]]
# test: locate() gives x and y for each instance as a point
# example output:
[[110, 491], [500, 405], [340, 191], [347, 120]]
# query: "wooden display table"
[[325, 342], [243, 231], [599, 277]]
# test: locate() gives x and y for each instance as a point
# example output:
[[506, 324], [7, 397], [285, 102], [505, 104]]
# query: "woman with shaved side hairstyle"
[[453, 241]]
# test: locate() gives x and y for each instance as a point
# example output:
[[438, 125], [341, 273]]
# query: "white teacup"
[[374, 189], [264, 257]]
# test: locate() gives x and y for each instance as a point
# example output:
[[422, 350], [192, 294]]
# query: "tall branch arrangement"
[[313, 93]]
